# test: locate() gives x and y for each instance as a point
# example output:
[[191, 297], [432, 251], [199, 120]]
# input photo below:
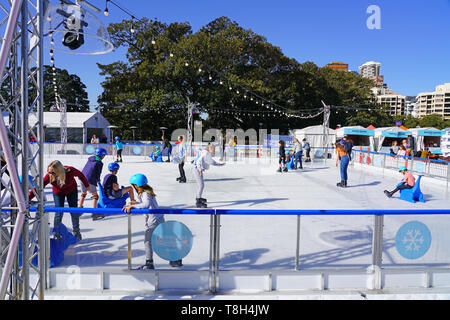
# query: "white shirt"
[[145, 201], [205, 160]]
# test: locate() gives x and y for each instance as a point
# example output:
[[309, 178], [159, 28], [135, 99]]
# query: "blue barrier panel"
[[116, 211]]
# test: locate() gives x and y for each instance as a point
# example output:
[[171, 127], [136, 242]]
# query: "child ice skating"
[[156, 154], [408, 182], [111, 185], [298, 153], [145, 199], [118, 146], [182, 156], [168, 146], [282, 160], [306, 146], [92, 171], [202, 164]]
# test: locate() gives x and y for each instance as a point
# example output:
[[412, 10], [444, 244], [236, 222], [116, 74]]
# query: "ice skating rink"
[[263, 242]]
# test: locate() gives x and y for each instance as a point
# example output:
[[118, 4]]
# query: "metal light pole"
[[133, 128], [111, 129], [162, 129]]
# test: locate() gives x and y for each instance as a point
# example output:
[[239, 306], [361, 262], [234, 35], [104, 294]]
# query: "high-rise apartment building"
[[392, 103], [371, 70], [437, 101]]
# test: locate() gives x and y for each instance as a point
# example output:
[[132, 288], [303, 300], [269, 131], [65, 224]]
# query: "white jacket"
[[298, 147], [205, 160], [145, 201]]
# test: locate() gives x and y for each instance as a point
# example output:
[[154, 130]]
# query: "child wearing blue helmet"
[[92, 171], [408, 182], [145, 199], [119, 147], [111, 186]]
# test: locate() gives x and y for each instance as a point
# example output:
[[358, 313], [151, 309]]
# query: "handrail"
[[355, 212], [401, 156]]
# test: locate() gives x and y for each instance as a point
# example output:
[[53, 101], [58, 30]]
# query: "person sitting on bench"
[[408, 182], [111, 186]]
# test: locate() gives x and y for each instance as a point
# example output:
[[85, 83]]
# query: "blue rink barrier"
[[118, 211]]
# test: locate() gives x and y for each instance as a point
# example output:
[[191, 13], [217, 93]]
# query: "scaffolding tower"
[[22, 232]]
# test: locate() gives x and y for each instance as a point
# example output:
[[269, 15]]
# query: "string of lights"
[[271, 107], [52, 61], [247, 93]]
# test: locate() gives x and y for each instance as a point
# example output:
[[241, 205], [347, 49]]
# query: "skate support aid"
[[377, 237]]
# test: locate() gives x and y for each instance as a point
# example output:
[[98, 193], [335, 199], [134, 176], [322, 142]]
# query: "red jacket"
[[70, 185]]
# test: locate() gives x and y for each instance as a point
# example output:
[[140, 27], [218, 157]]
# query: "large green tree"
[[229, 73], [69, 87]]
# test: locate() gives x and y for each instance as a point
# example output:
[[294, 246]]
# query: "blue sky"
[[413, 44]]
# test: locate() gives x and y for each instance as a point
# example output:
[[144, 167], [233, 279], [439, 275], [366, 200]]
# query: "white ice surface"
[[264, 242]]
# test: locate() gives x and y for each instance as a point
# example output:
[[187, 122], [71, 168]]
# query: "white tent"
[[314, 135], [80, 126], [360, 136], [427, 137], [381, 134], [445, 142]]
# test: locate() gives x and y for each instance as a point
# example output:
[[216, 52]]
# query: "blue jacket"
[[118, 145], [93, 169]]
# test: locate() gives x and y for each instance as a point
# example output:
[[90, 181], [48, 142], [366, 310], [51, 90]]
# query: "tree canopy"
[[69, 86], [229, 73]]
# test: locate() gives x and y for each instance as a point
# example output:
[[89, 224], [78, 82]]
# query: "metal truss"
[[21, 96]]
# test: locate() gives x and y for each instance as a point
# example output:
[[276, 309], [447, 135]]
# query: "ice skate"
[[77, 235], [200, 204], [147, 266], [176, 263]]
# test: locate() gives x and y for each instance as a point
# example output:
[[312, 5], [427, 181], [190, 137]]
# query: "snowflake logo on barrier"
[[413, 240]]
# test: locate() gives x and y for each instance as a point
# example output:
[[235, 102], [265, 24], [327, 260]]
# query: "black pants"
[[119, 154], [401, 187], [181, 169]]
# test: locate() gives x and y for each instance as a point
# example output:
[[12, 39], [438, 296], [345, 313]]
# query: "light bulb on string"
[[51, 52], [52, 42], [106, 12], [186, 64], [132, 26]]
